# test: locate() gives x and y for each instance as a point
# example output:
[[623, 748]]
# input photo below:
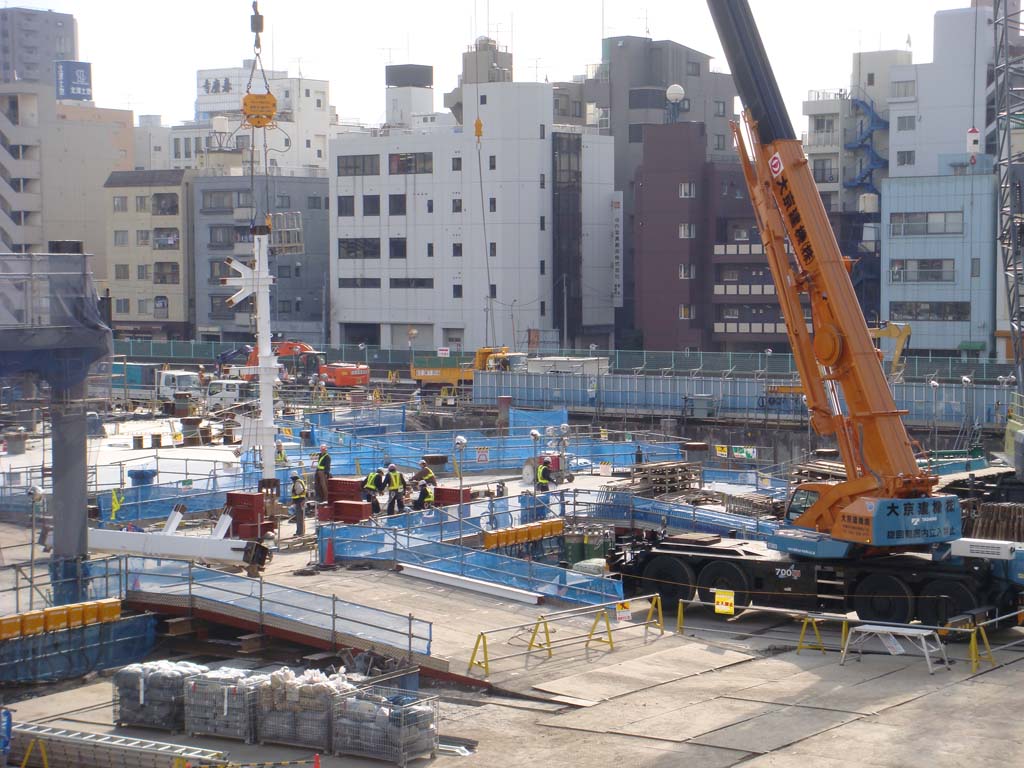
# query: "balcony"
[[242, 214], [821, 140], [166, 239], [744, 289]]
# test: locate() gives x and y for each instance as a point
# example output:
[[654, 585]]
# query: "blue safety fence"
[[157, 501], [520, 418], [624, 507], [261, 601], [73, 652], [392, 544]]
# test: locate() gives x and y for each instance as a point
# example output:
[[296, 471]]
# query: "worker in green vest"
[[374, 486], [396, 489], [545, 478], [323, 473], [425, 500], [299, 503]]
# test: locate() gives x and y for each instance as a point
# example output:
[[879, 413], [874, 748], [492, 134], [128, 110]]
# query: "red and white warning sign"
[[775, 165]]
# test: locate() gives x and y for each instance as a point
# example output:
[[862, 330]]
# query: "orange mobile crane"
[[879, 542]]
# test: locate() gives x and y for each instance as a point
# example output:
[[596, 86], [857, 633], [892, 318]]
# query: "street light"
[[935, 414], [366, 353], [460, 448]]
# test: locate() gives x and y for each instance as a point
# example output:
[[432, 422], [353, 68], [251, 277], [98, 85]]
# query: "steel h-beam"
[[1009, 110]]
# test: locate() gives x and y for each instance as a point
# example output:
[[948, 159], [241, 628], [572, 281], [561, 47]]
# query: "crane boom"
[[837, 360]]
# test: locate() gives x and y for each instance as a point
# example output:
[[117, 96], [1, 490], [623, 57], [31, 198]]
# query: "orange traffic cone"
[[316, 761], [329, 551]]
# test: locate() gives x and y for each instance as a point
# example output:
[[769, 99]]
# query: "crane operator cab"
[[801, 500]]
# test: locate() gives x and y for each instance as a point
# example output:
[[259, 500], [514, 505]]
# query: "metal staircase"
[[864, 142]]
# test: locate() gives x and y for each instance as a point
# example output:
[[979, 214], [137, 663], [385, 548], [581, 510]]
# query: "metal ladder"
[[66, 747]]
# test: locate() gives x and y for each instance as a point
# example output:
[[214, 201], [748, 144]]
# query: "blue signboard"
[[73, 80]]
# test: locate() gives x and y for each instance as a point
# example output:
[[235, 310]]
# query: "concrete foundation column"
[[68, 507]]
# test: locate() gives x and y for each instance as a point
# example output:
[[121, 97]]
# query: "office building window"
[[358, 248], [483, 98], [401, 163], [922, 271], [542, 181], [975, 267], [457, 205], [687, 189], [430, 250], [358, 165], [120, 203], [371, 205], [346, 205], [931, 223], [906, 157], [906, 122], [123, 306], [120, 237], [543, 224], [543, 266], [719, 109], [142, 237], [687, 231], [693, 68], [120, 271], [686, 312], [411, 282], [494, 291], [492, 250], [177, 149], [144, 308], [686, 271], [492, 205], [719, 141], [457, 250], [542, 130], [396, 205], [903, 89], [359, 282], [430, 206], [456, 163], [456, 291], [543, 308], [141, 203], [284, 271], [396, 248], [492, 162], [871, 78], [937, 311], [142, 272], [314, 203], [214, 200], [283, 202], [284, 306], [636, 133]]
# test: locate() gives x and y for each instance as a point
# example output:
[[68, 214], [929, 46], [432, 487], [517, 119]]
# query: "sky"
[[145, 54]]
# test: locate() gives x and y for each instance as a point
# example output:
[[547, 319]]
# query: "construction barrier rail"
[[540, 630], [269, 605]]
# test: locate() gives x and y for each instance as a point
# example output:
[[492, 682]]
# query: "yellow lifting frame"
[[819, 644], [42, 753], [975, 654], [655, 607], [481, 647], [607, 631], [546, 643]]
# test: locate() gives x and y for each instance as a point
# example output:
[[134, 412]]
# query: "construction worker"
[[374, 486], [299, 503], [323, 472], [545, 478], [396, 489], [425, 499], [280, 457], [425, 473]]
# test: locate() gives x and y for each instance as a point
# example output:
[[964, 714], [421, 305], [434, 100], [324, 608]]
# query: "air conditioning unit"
[[985, 549], [867, 203]]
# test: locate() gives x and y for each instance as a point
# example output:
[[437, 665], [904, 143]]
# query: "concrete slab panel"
[[696, 719], [664, 666], [775, 730]]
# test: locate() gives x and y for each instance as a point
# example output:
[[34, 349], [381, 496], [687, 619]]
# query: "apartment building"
[[222, 209], [32, 40], [55, 157], [702, 277], [148, 246]]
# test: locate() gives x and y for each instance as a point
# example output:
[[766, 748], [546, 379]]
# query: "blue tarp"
[[521, 418]]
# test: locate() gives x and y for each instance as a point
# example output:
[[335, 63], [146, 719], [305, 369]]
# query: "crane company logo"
[[775, 165]]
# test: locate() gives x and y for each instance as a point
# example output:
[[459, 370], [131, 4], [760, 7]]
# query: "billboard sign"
[[73, 80], [617, 277]]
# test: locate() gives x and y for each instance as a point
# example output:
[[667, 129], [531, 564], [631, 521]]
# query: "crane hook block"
[[478, 127], [256, 20], [259, 109]]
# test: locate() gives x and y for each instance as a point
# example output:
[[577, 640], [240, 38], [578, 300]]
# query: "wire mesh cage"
[[152, 695], [222, 703], [297, 710], [386, 723]]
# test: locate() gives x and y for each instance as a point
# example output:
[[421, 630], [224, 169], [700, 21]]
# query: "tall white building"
[[297, 144], [441, 239]]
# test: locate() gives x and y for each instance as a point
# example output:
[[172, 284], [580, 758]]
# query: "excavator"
[[881, 542], [301, 361]]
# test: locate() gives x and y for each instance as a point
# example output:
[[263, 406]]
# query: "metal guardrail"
[[649, 362]]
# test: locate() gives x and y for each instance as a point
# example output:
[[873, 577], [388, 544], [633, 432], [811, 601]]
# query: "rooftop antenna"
[[536, 69]]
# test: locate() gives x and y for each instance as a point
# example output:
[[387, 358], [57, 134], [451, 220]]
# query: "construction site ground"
[[724, 693]]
